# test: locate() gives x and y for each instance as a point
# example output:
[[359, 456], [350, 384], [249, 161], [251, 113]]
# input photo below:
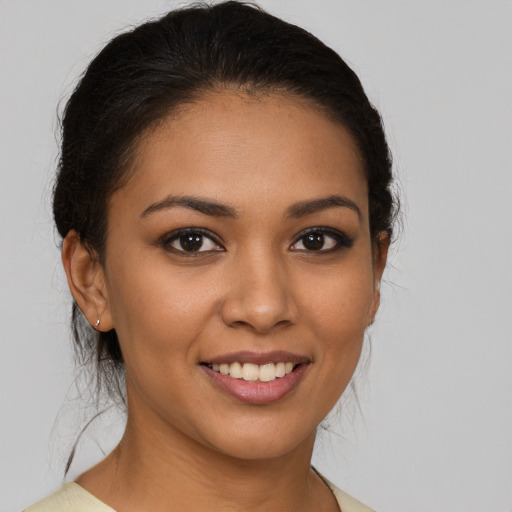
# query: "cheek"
[[341, 300], [338, 312], [157, 311]]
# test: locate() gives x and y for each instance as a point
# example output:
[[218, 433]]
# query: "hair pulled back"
[[142, 75]]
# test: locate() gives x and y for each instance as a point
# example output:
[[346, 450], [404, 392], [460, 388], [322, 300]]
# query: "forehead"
[[232, 146]]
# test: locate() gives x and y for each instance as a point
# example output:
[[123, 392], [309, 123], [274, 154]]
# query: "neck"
[[151, 469]]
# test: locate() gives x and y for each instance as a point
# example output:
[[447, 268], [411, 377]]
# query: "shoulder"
[[346, 502], [70, 498], [73, 498]]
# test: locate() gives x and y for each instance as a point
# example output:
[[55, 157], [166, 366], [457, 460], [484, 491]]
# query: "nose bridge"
[[260, 295]]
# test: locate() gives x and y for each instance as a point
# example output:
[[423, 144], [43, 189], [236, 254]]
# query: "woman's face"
[[241, 246]]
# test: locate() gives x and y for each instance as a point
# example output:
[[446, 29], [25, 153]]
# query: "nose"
[[260, 295]]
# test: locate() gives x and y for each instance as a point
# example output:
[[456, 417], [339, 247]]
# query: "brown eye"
[[321, 240], [313, 241], [190, 242]]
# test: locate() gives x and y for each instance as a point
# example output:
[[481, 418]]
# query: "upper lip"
[[259, 358]]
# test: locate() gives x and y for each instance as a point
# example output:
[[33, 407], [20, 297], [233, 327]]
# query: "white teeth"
[[250, 371], [267, 372], [235, 370], [253, 372]]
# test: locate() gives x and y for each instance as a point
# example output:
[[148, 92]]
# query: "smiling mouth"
[[253, 372], [257, 378]]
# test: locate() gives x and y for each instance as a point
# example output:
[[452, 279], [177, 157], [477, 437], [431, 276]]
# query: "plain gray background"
[[435, 433]]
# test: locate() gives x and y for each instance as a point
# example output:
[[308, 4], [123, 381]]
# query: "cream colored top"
[[73, 498]]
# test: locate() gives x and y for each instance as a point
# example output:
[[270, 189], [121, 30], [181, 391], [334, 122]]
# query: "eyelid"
[[166, 240], [343, 240]]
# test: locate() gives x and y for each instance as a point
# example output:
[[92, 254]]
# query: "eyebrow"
[[304, 208], [214, 209], [204, 206]]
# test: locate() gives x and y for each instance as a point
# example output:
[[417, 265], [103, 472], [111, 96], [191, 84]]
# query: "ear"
[[86, 281], [380, 256]]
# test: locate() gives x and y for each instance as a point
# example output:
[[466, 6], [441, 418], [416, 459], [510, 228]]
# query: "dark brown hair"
[[142, 75]]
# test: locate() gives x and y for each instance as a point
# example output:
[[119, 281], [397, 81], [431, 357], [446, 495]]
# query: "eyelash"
[[169, 239], [341, 240]]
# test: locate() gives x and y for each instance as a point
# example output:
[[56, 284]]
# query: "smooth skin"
[[274, 198]]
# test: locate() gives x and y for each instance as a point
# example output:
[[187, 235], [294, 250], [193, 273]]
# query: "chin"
[[260, 443]]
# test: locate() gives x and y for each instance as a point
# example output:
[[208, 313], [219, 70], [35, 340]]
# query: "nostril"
[[258, 326], [261, 301]]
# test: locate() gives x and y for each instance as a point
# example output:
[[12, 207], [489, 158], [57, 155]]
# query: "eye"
[[321, 240], [191, 240]]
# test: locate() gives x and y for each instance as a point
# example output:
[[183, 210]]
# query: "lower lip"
[[256, 392]]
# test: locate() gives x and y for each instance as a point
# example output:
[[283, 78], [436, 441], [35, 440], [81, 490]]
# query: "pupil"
[[191, 242], [314, 241]]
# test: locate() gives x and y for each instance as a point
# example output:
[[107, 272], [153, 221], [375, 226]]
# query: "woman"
[[223, 199]]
